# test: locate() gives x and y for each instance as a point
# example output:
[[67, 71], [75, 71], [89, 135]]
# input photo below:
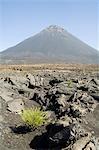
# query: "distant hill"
[[51, 45]]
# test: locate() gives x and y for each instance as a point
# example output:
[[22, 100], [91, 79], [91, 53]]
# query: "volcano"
[[52, 45]]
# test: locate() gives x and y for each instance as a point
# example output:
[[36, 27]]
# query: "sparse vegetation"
[[34, 117], [66, 100], [69, 83]]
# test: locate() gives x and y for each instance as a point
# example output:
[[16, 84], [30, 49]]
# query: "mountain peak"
[[54, 28], [53, 44]]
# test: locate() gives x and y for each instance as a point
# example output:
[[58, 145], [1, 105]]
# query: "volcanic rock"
[[81, 143], [16, 106], [58, 135]]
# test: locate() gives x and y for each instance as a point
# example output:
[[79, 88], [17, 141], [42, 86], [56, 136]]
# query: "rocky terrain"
[[69, 94]]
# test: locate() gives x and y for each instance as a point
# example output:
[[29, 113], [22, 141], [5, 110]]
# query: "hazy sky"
[[20, 19]]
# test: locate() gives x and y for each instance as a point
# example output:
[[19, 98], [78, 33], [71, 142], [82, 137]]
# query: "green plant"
[[34, 117], [69, 83]]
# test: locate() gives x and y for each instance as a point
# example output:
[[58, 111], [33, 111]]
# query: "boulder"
[[30, 103], [7, 96], [39, 97], [56, 102], [58, 135], [81, 143], [83, 100], [63, 88], [35, 81], [15, 106], [31, 78]]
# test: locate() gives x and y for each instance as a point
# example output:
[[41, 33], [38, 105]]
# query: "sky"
[[20, 19]]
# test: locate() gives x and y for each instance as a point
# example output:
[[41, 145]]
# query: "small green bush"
[[34, 117], [69, 83]]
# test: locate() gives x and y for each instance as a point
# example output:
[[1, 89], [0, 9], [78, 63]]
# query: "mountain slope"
[[53, 44]]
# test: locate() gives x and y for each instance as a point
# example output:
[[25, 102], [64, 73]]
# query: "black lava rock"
[[58, 135]]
